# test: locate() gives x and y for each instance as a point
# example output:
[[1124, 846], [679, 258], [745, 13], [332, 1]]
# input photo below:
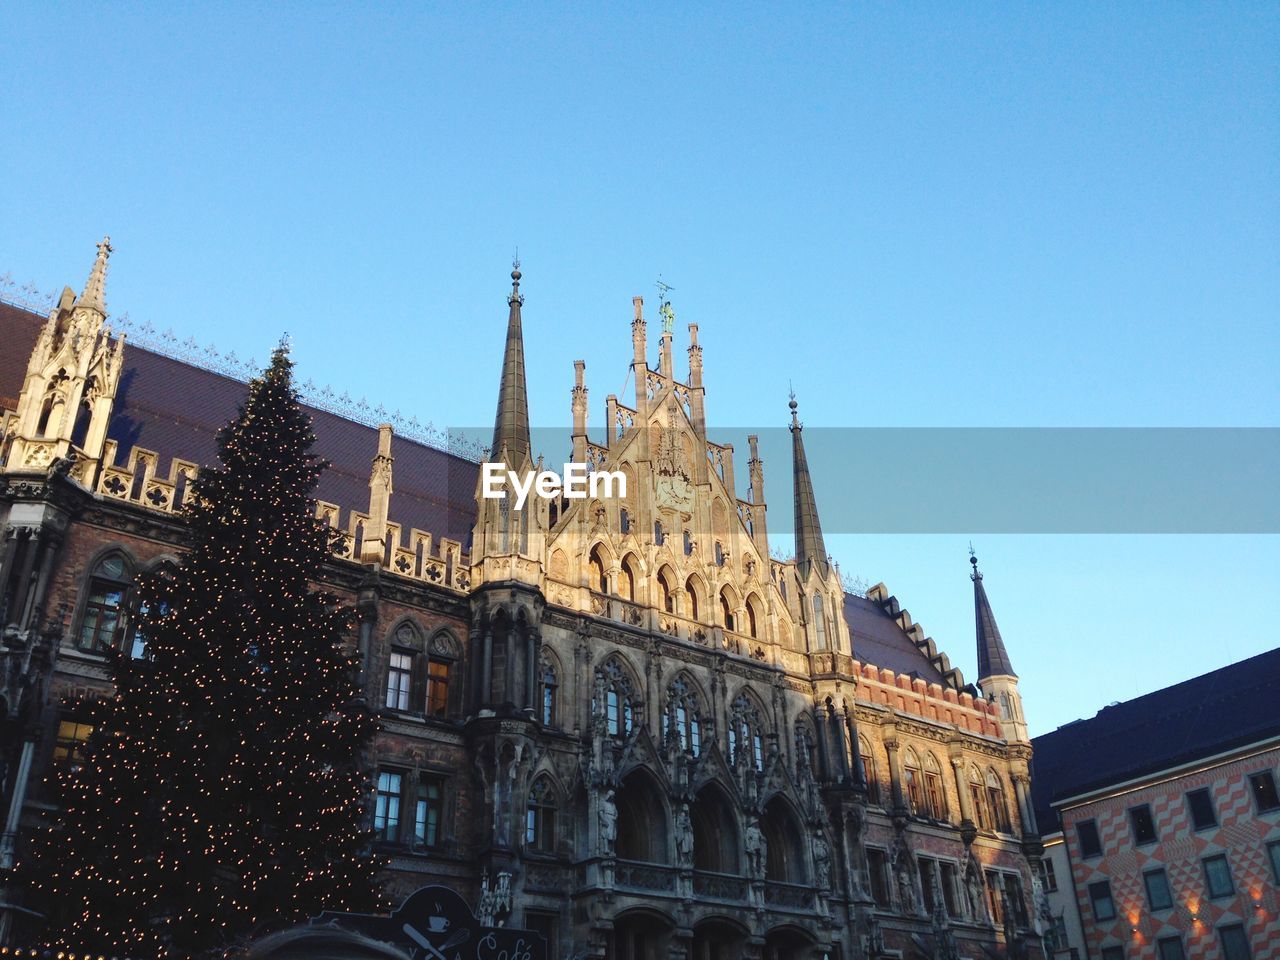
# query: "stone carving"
[[495, 902], [755, 845], [822, 861], [608, 822], [684, 837]]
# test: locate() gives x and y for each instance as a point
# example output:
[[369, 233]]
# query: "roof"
[[1198, 718], [878, 638], [176, 409]]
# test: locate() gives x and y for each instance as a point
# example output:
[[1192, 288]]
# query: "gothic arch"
[[716, 837], [786, 849], [695, 597], [643, 818], [728, 607], [630, 577], [102, 607], [666, 582], [756, 624]]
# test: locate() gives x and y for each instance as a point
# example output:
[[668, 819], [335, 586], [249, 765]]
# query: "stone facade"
[[620, 721]]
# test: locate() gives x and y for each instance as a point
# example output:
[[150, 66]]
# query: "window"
[[665, 596], [549, 685], [927, 870], [1235, 943], [683, 718], [624, 521], [911, 772], [597, 578], [745, 726], [1104, 908], [386, 807], [691, 598], [548, 925], [102, 625], [995, 797], [1113, 953], [69, 747], [726, 611], [1017, 903], [659, 538], [540, 818], [438, 688], [1200, 806], [619, 712], [949, 889], [1050, 878], [1144, 827], [399, 679], [981, 813], [1273, 850], [1217, 877], [1263, 787], [1087, 832], [935, 794], [688, 544], [878, 867], [428, 812], [995, 897], [1170, 948], [869, 771], [719, 554], [1158, 895], [819, 623]]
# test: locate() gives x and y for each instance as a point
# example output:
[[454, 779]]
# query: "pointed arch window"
[[627, 579], [996, 801], [691, 598], [935, 794], [550, 688], [746, 734], [914, 781], [978, 800], [867, 759], [104, 619], [540, 817], [598, 579], [665, 594], [726, 610], [819, 622], [684, 717], [442, 653], [619, 702]]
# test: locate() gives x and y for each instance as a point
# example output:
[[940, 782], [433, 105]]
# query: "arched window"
[[753, 616], [683, 720], [819, 622], [550, 687], [784, 843], [914, 781], [935, 793], [104, 618], [978, 800], [868, 761], [691, 599], [666, 596], [80, 432], [406, 651], [443, 652], [598, 579], [616, 698], [726, 609], [996, 800], [746, 734], [540, 817], [627, 578]]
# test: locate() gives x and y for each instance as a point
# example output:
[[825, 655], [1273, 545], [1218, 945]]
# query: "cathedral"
[[620, 721]]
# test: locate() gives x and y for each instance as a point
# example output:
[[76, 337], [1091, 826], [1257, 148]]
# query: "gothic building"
[[620, 721]]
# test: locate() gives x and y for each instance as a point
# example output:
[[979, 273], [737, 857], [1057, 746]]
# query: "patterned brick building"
[[1162, 821], [620, 721]]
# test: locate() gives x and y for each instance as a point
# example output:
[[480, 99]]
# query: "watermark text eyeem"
[[575, 483]]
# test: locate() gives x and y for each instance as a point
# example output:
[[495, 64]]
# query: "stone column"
[[895, 768], [1027, 813]]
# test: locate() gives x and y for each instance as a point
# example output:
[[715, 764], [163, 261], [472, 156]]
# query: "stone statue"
[[684, 837], [608, 822], [976, 895], [822, 861], [754, 842]]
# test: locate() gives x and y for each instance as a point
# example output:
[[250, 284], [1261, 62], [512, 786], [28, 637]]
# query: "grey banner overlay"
[[1010, 480]]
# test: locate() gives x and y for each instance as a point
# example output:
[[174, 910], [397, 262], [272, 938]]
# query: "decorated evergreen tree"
[[222, 793]]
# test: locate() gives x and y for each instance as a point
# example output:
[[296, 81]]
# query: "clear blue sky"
[[996, 214]]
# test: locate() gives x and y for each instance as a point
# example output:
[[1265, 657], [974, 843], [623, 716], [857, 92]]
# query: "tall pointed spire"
[[993, 659], [95, 288], [511, 427], [809, 546]]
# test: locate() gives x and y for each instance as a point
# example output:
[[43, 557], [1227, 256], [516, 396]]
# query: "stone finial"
[[95, 288]]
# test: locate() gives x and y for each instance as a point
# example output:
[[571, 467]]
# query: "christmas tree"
[[222, 793]]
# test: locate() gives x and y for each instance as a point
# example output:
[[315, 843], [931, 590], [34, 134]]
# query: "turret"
[[70, 385], [511, 425], [373, 548], [996, 678]]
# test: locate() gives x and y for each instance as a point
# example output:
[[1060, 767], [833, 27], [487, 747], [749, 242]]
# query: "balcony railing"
[[720, 886], [791, 896], [632, 875]]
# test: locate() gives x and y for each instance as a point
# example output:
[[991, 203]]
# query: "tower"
[[70, 384], [996, 678], [820, 595]]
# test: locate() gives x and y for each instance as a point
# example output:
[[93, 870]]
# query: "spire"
[[95, 287], [511, 427], [993, 659], [809, 545]]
